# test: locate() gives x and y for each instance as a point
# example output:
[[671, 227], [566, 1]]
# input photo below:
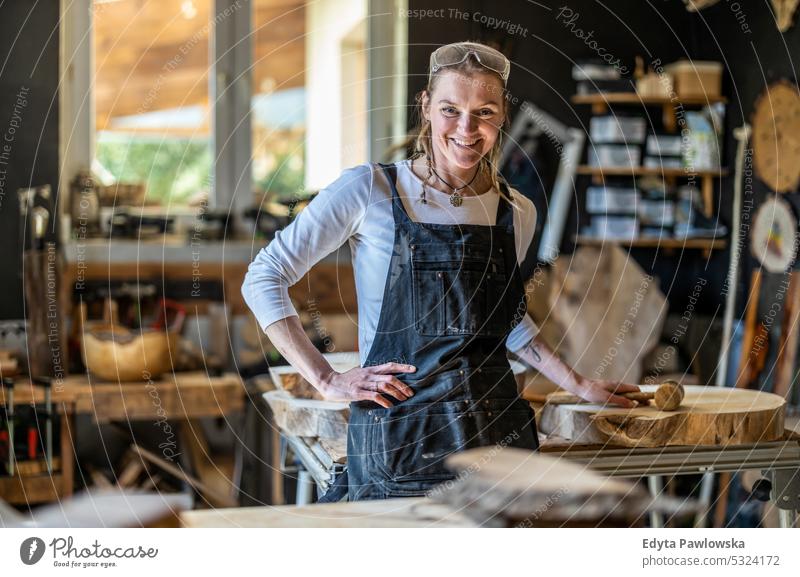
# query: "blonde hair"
[[420, 136]]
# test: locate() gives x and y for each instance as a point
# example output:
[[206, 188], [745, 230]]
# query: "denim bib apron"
[[452, 295]]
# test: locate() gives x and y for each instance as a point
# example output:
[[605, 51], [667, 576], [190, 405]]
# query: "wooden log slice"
[[309, 417], [707, 416]]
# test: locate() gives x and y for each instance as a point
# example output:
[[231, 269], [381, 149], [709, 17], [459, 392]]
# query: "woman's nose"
[[467, 123]]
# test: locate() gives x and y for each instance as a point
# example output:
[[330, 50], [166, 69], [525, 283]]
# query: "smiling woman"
[[436, 243]]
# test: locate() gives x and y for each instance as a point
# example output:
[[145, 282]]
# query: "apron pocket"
[[413, 443], [459, 297]]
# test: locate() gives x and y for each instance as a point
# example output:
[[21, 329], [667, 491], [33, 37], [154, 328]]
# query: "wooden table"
[[176, 397]]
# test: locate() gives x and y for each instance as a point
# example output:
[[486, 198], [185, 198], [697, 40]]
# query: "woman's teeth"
[[464, 143]]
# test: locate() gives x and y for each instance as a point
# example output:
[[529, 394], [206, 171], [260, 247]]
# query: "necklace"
[[456, 198]]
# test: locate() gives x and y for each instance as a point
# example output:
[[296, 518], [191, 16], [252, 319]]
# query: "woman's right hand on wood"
[[368, 384]]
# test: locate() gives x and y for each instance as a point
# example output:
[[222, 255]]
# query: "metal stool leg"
[[305, 485], [656, 486], [706, 491], [786, 495]]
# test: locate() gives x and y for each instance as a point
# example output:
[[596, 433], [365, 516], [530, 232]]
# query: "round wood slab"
[[707, 416]]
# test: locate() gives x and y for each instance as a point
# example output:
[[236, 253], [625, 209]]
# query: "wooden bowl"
[[115, 353]]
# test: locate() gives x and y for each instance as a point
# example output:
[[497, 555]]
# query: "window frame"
[[230, 55]]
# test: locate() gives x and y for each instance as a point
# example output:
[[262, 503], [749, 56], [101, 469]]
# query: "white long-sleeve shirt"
[[357, 209]]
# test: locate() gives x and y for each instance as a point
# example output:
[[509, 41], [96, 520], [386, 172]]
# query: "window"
[[230, 100], [151, 96], [278, 100], [309, 103]]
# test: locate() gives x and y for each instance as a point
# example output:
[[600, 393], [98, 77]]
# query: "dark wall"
[[28, 126], [542, 59], [755, 55], [544, 50]]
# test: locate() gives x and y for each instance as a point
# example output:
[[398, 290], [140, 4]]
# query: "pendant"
[[456, 199]]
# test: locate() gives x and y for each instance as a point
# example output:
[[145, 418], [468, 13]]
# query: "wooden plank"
[[645, 171], [175, 396], [707, 416], [635, 98], [31, 490], [409, 512], [216, 472], [516, 487], [214, 497], [665, 243]]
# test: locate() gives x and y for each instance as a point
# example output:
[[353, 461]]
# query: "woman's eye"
[[486, 112], [449, 110]]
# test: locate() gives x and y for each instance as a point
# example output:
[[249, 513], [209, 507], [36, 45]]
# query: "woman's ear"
[[425, 102]]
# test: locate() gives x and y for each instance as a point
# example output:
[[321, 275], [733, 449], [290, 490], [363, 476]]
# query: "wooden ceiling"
[[153, 55]]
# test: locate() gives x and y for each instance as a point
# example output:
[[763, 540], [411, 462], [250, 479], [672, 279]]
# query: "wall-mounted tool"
[[8, 390], [47, 384]]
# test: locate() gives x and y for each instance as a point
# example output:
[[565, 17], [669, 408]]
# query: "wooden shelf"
[[599, 173], [603, 100], [667, 244], [644, 171], [634, 98]]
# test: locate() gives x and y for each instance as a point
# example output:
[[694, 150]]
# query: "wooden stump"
[[309, 417], [707, 416]]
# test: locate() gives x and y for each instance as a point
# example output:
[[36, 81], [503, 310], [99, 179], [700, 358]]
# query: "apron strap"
[[505, 214], [398, 210]]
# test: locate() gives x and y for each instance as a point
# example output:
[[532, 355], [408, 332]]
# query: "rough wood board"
[[308, 417], [407, 512], [512, 486], [605, 315], [707, 416], [336, 448]]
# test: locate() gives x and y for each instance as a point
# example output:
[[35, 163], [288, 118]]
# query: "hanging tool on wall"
[[41, 266], [47, 384], [8, 393]]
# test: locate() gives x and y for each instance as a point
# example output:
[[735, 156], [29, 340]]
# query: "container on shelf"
[[653, 85], [611, 199], [664, 145], [696, 78], [671, 162], [614, 227], [617, 129], [656, 213], [614, 156]]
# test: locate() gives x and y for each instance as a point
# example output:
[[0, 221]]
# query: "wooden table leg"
[[67, 452], [277, 475]]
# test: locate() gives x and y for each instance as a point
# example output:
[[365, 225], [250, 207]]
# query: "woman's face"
[[466, 113]]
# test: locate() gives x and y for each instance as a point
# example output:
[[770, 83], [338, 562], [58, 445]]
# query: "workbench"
[[779, 462], [781, 459], [179, 397]]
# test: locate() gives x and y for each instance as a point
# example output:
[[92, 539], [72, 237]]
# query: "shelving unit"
[[601, 103]]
